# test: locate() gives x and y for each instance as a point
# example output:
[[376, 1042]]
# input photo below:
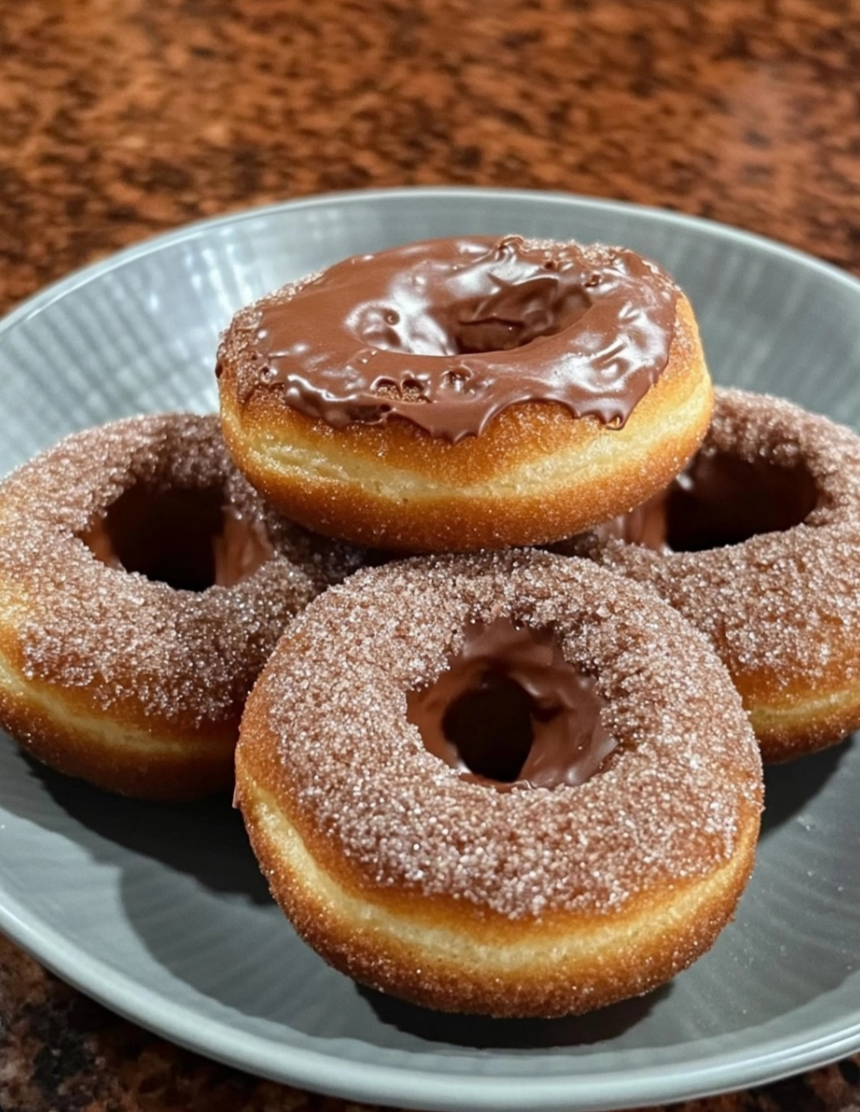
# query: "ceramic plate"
[[160, 912]]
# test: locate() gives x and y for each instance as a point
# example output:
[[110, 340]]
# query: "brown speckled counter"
[[122, 118]]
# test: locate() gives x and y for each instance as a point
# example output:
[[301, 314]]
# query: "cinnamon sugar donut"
[[465, 393], [555, 876], [758, 545], [143, 583]]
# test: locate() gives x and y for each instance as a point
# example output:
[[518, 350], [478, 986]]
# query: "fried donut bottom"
[[143, 584], [536, 472], [757, 544], [451, 883]]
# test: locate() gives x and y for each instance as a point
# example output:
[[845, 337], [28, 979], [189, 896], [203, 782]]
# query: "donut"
[[458, 394], [757, 544], [143, 583], [585, 852]]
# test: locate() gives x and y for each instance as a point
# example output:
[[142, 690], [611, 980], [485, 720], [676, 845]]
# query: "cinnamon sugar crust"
[[109, 674], [781, 608], [542, 895]]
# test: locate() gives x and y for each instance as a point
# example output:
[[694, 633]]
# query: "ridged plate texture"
[[160, 911]]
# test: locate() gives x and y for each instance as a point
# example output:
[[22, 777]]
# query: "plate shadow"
[[205, 839]]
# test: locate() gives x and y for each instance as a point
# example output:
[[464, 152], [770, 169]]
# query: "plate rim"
[[386, 1082], [67, 283]]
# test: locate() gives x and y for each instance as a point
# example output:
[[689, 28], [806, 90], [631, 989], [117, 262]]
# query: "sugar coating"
[[338, 752], [782, 605], [126, 639]]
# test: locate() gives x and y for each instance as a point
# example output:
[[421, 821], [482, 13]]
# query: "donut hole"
[[474, 303], [721, 500], [498, 319], [190, 539], [509, 708], [490, 726], [512, 318]]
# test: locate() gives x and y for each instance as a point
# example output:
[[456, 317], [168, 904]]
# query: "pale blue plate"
[[160, 912]]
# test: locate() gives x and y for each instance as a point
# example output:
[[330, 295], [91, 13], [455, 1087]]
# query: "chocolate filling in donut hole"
[[188, 539], [465, 393], [511, 712], [757, 544], [718, 500], [143, 584], [490, 882]]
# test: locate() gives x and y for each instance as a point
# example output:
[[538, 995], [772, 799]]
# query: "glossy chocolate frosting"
[[509, 710], [448, 333]]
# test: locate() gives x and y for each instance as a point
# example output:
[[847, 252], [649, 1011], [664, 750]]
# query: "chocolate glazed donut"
[[143, 583], [757, 544], [588, 854], [465, 393]]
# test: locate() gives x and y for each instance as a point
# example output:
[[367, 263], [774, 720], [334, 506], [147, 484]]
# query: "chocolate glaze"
[[188, 539], [511, 711], [719, 499], [423, 332]]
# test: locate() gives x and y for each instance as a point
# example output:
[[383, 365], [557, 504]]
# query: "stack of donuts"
[[483, 600]]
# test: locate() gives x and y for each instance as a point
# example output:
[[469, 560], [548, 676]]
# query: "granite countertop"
[[123, 118]]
